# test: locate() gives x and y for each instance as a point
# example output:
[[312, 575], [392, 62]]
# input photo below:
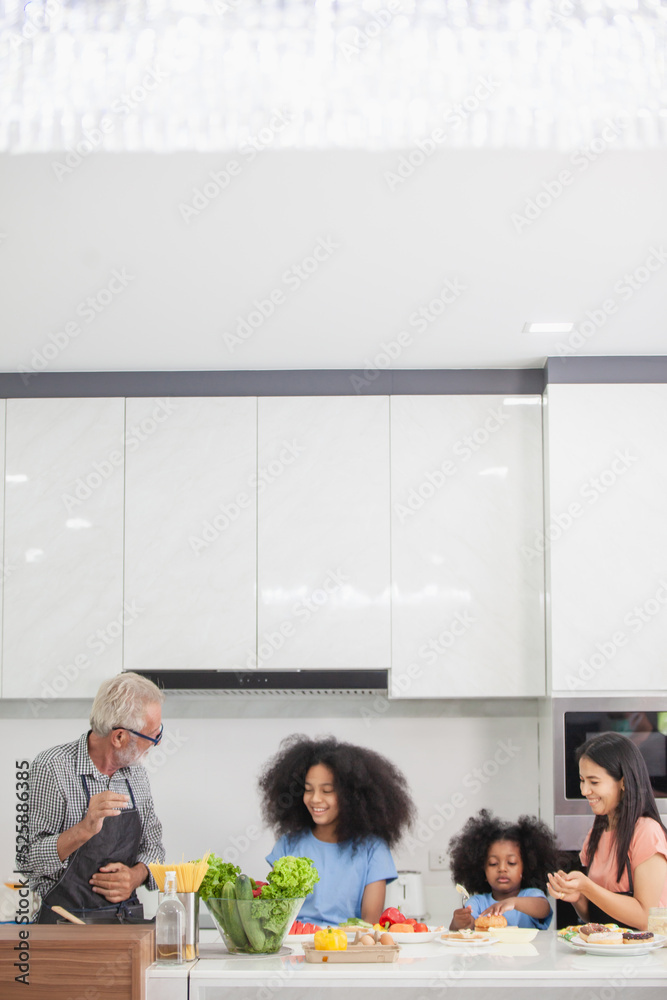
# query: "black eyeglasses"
[[151, 739]]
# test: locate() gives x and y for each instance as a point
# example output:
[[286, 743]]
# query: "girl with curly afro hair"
[[505, 866], [344, 807]]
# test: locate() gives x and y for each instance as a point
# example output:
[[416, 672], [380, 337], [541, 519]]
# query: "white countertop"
[[546, 964]]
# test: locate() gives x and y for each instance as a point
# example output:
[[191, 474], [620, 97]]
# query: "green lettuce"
[[219, 872], [290, 878]]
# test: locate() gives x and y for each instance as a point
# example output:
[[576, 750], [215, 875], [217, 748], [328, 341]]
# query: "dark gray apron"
[[118, 840], [598, 916]]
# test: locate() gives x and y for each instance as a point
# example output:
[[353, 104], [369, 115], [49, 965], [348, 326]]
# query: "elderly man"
[[92, 825]]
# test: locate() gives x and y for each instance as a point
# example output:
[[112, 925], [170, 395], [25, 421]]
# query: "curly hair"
[[373, 797], [469, 848]]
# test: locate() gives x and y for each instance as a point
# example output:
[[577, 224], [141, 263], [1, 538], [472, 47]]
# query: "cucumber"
[[231, 916], [243, 891]]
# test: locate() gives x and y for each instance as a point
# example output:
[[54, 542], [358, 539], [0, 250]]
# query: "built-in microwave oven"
[[641, 719]]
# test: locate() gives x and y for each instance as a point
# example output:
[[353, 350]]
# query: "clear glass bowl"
[[254, 926]]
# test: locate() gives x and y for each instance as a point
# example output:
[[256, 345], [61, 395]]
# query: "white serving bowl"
[[515, 934]]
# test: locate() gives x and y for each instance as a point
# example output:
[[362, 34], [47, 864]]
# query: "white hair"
[[122, 701]]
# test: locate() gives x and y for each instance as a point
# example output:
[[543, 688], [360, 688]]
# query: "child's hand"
[[462, 919], [506, 904]]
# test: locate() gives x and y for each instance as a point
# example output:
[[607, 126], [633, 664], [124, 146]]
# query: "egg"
[[367, 939], [386, 939]]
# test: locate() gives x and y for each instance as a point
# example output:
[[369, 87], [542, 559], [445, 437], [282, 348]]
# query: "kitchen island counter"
[[546, 967]]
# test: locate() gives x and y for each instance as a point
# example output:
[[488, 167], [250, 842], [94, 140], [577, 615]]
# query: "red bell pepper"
[[391, 916]]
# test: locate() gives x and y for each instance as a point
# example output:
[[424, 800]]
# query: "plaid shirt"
[[58, 801]]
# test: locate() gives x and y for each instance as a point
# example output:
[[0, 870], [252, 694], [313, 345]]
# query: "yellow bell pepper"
[[331, 939]]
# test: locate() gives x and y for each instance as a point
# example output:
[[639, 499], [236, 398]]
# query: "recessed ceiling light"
[[548, 327]]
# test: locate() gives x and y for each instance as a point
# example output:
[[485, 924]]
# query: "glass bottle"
[[170, 925]]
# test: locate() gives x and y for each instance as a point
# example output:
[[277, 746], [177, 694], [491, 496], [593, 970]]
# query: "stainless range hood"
[[290, 682]]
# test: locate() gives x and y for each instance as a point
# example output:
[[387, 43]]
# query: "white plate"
[[299, 939], [419, 937], [641, 948], [468, 942]]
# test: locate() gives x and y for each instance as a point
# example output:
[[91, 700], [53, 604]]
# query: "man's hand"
[[116, 882], [100, 806]]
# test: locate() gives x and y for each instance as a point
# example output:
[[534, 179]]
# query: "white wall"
[[204, 781]]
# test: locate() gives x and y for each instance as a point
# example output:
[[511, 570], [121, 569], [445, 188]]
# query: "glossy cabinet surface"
[[190, 532], [323, 533], [63, 611], [466, 502], [606, 536]]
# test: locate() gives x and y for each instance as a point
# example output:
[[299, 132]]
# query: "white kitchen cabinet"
[[63, 609], [323, 533], [190, 532], [606, 536], [3, 415], [466, 502]]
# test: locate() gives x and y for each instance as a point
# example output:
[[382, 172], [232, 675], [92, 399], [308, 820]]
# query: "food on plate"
[[466, 935], [487, 920], [586, 931], [331, 939], [356, 924], [299, 928], [637, 937], [401, 928], [391, 916], [600, 934]]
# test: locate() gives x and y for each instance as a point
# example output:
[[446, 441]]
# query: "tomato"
[[420, 928]]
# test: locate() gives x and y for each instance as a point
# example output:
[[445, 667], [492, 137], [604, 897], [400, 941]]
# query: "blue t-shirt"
[[515, 918], [344, 874]]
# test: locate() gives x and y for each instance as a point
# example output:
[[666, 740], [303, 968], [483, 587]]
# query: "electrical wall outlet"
[[438, 860]]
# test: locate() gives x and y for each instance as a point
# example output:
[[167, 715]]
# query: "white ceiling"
[[452, 220]]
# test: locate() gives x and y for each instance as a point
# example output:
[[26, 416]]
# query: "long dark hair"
[[373, 796], [621, 759]]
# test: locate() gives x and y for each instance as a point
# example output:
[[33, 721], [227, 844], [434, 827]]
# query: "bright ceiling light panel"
[[171, 75]]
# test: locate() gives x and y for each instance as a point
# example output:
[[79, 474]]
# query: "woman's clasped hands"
[[568, 886]]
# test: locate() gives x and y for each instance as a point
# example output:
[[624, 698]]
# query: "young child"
[[504, 865], [344, 807]]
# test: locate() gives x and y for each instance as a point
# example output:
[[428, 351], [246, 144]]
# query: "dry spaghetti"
[[189, 874]]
